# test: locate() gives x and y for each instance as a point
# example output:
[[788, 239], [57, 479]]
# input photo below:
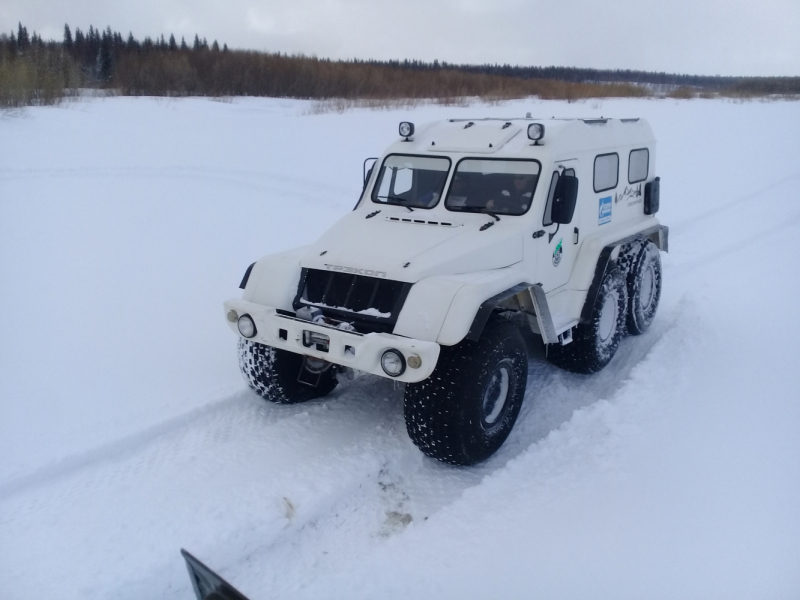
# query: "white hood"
[[401, 248]]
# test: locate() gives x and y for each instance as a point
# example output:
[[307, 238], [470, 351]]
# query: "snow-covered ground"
[[126, 431]]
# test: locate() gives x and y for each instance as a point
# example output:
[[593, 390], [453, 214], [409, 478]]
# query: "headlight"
[[246, 326], [393, 363], [406, 129]]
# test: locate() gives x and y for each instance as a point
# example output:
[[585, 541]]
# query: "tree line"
[[35, 71]]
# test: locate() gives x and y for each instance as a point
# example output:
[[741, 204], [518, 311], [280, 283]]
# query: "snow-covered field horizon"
[[127, 432]]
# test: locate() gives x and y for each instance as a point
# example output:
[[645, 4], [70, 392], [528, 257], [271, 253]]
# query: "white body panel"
[[456, 261]]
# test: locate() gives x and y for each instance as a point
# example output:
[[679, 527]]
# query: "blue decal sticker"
[[605, 211]]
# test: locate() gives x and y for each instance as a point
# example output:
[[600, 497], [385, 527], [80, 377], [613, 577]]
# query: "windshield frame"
[[484, 210], [378, 180]]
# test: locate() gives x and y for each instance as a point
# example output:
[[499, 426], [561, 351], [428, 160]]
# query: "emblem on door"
[[557, 253]]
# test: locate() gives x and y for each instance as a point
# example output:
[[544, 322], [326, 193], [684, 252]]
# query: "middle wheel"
[[595, 343], [465, 410]]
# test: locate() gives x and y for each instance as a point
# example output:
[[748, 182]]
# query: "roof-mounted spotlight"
[[406, 130], [536, 133]]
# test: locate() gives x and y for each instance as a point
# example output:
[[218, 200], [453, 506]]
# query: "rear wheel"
[[465, 410], [595, 343], [644, 288], [284, 377]]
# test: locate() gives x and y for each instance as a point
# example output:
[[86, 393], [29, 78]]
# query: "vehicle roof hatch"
[[485, 137]]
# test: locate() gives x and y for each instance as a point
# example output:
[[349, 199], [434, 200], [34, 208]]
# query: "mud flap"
[[207, 584]]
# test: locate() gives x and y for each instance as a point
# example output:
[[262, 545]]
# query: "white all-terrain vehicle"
[[461, 225]]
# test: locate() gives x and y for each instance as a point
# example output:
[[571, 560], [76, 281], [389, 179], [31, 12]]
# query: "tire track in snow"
[[410, 488], [243, 482], [226, 478], [682, 224], [114, 451], [742, 244], [264, 182]]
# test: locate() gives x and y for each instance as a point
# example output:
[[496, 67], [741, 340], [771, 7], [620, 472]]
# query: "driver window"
[[548, 208]]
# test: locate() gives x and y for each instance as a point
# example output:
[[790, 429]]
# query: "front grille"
[[342, 294]]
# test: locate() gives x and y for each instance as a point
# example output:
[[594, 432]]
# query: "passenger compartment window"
[[638, 165], [606, 172]]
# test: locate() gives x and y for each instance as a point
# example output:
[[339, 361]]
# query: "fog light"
[[246, 326], [414, 361], [393, 363], [232, 316]]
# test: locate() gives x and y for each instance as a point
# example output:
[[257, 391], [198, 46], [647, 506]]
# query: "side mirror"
[[565, 198], [368, 172], [367, 176], [652, 196]]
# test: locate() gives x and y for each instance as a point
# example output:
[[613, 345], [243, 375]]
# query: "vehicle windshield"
[[493, 186], [413, 181]]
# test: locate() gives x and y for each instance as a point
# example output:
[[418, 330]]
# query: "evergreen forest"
[[35, 71]]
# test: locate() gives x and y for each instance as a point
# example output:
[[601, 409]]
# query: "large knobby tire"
[[595, 343], [274, 373], [644, 287], [465, 410]]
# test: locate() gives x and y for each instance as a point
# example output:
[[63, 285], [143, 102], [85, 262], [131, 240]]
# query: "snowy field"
[[126, 431]]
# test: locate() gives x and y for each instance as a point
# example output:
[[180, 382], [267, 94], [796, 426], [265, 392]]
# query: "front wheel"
[[284, 377], [465, 410]]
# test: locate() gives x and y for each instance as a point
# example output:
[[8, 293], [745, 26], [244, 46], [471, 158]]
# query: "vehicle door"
[[557, 243]]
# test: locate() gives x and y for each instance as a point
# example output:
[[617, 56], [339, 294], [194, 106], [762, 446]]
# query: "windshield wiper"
[[397, 199], [469, 209], [474, 209]]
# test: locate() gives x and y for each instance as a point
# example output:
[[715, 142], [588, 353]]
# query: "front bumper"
[[346, 348]]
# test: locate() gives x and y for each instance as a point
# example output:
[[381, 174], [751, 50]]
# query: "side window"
[[606, 172], [638, 165], [548, 208]]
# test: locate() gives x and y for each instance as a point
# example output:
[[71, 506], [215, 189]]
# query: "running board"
[[207, 584]]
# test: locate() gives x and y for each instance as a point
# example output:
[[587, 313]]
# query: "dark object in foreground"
[[207, 584]]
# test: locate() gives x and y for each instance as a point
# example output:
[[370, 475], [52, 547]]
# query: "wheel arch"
[[273, 279], [473, 303], [488, 307]]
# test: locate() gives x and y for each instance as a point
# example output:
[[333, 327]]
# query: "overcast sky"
[[704, 37]]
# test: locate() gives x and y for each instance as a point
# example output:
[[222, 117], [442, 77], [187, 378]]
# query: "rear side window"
[[606, 172], [638, 165]]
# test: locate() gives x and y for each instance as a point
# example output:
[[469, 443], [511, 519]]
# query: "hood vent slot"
[[422, 222]]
